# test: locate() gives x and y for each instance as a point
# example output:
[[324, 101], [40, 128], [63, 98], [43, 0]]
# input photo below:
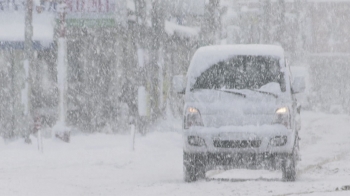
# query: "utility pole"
[[141, 18], [28, 47], [267, 21], [279, 35], [62, 19], [213, 20], [154, 72], [60, 129]]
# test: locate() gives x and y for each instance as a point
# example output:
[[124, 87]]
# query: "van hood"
[[235, 107]]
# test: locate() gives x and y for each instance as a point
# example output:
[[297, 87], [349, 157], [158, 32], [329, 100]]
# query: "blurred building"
[[12, 56]]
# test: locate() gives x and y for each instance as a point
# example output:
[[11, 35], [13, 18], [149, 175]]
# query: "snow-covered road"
[[104, 165]]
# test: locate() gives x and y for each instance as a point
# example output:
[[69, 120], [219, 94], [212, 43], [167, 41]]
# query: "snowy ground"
[[104, 165]]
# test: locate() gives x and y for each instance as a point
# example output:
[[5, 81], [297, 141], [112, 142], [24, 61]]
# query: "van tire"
[[289, 168], [194, 166]]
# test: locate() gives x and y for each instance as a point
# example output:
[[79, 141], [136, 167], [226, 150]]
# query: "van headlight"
[[283, 110], [282, 116], [192, 118]]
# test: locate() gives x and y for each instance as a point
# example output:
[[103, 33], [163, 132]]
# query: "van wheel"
[[194, 166], [289, 168]]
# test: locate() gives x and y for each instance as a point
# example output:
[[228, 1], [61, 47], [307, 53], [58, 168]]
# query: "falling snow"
[[93, 97]]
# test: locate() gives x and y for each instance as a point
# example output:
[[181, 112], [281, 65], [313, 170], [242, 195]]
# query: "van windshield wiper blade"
[[232, 92], [226, 91], [264, 92]]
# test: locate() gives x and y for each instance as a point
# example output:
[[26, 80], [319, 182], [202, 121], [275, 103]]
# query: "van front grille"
[[237, 143]]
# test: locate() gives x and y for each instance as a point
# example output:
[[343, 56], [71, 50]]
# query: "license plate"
[[236, 136]]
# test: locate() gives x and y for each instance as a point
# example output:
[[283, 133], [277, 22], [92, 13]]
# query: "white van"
[[240, 111]]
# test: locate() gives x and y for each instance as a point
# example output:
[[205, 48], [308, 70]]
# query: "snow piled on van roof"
[[209, 55]]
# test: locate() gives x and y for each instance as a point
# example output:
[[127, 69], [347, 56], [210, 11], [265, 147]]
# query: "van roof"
[[205, 57]]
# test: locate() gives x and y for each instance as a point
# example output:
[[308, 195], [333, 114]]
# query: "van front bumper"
[[265, 139]]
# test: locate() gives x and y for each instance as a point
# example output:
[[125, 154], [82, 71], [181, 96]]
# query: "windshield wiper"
[[226, 91], [264, 92], [232, 92]]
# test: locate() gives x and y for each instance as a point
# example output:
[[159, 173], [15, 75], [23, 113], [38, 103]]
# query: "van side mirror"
[[298, 85], [179, 84]]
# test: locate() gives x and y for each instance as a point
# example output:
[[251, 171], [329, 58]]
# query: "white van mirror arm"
[[179, 84], [298, 85]]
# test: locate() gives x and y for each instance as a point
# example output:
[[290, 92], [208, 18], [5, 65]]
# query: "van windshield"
[[241, 72]]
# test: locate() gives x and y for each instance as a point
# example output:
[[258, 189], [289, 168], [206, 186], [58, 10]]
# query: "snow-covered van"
[[240, 111]]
